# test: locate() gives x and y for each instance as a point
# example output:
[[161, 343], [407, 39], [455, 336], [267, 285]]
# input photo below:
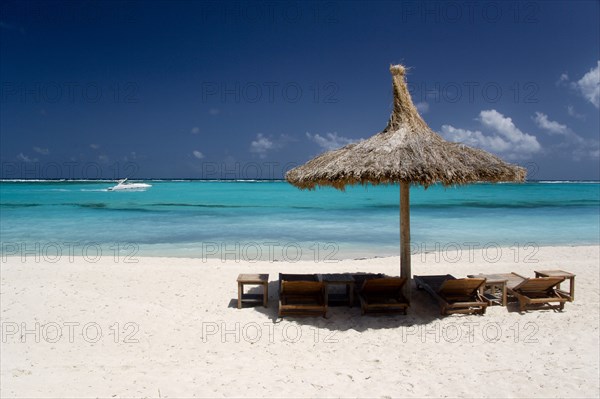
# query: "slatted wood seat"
[[540, 291], [454, 295], [383, 295], [360, 278], [302, 298]]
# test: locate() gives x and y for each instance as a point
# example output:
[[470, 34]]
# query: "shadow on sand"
[[423, 310]]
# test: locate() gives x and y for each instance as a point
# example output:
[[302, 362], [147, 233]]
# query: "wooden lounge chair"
[[454, 295], [383, 295], [360, 278], [538, 291], [303, 296], [297, 277]]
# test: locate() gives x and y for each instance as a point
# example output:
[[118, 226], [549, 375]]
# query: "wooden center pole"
[[405, 236]]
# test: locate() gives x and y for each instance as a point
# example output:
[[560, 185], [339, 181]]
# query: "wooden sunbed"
[[383, 295], [303, 296], [538, 291], [454, 295], [297, 277], [360, 278]]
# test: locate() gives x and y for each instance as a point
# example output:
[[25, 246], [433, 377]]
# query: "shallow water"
[[273, 220]]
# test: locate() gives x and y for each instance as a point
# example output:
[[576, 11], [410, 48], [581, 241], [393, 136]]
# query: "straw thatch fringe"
[[407, 150]]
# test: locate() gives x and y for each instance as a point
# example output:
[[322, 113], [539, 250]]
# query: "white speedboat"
[[124, 186]]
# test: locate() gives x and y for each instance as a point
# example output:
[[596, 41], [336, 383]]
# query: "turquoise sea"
[[274, 220]]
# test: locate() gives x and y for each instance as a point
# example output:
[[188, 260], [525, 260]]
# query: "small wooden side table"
[[253, 279], [493, 282], [560, 273], [340, 279]]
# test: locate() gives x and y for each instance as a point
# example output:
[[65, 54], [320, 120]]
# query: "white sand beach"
[[169, 327]]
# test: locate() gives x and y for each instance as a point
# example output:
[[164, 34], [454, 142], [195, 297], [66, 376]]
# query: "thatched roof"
[[407, 150]]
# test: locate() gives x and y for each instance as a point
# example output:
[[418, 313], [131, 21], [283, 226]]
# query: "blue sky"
[[234, 89]]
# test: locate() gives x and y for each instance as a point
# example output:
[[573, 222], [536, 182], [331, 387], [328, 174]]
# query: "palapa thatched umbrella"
[[408, 152]]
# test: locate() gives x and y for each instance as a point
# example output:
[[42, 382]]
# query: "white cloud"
[[521, 143], [131, 157], [475, 138], [552, 127], [195, 130], [589, 85], [94, 146], [198, 154], [331, 141], [422, 107], [581, 148], [590, 150], [505, 137], [25, 158], [43, 151], [573, 113], [563, 79], [261, 145]]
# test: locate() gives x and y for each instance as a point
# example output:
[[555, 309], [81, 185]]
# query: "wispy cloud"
[[580, 147], [133, 156], [589, 85], [503, 137], [214, 111], [195, 130], [330, 141], [25, 158], [261, 145], [197, 154], [552, 127], [573, 113], [422, 107], [43, 151], [94, 146], [563, 79]]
